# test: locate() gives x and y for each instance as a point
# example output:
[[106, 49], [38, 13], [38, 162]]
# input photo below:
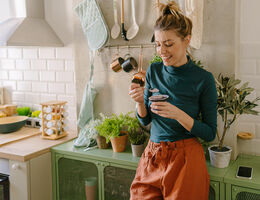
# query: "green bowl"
[[12, 124]]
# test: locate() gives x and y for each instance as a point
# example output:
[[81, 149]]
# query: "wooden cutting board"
[[24, 132]]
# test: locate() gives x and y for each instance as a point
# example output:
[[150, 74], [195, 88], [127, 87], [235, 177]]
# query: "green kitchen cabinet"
[[115, 172], [243, 188]]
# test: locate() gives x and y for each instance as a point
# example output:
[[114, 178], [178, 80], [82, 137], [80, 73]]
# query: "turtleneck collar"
[[180, 69]]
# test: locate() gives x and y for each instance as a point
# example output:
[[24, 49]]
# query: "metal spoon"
[[115, 31], [153, 90], [133, 30]]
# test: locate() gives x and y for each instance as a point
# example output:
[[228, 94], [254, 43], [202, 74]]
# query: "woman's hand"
[[165, 109], [137, 93]]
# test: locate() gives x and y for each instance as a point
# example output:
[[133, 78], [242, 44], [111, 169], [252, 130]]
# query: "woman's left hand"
[[165, 109]]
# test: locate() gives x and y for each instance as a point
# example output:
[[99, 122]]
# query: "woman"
[[173, 165]]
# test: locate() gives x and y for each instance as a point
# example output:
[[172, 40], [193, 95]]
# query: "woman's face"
[[171, 48]]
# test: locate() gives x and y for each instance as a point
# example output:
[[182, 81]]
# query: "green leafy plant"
[[136, 133], [232, 102], [111, 126], [24, 111], [156, 58]]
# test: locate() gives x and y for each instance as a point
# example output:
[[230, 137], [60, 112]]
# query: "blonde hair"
[[172, 17]]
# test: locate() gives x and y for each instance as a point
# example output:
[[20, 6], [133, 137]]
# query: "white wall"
[[249, 69], [31, 75], [217, 51]]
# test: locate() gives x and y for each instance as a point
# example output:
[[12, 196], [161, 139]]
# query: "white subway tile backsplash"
[[253, 81], [56, 88], [3, 52], [257, 135], [30, 53], [64, 53], [3, 75], [250, 50], [10, 85], [24, 86], [246, 127], [22, 64], [14, 53], [71, 100], [47, 76], [18, 96], [39, 87], [70, 88], [31, 75], [7, 64], [48, 97], [38, 64], [15, 75], [47, 53], [32, 98], [65, 77], [258, 66], [57, 65], [248, 66], [69, 65]]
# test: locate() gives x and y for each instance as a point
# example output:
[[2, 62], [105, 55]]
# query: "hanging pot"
[[139, 77]]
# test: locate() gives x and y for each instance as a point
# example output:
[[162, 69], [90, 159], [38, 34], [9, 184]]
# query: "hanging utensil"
[[115, 31], [133, 30], [158, 14], [122, 21]]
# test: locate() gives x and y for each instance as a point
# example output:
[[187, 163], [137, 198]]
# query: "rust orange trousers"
[[171, 171]]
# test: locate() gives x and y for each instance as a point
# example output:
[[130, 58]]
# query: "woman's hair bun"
[[170, 8]]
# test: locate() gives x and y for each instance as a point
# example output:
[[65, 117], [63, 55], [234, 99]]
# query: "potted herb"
[[136, 134], [232, 103], [112, 129]]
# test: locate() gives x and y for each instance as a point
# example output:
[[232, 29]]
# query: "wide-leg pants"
[[171, 171]]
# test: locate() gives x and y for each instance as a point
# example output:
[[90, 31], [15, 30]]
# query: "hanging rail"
[[130, 46]]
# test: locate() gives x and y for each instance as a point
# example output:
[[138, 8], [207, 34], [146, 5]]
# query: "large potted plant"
[[232, 102], [136, 134], [112, 129]]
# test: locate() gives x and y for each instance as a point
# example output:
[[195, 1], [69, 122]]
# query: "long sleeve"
[[147, 119], [206, 129]]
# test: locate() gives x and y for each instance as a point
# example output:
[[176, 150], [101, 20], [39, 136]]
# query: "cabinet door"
[[19, 180], [243, 193], [214, 190], [117, 182], [71, 175]]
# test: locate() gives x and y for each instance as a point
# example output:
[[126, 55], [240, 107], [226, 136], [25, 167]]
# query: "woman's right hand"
[[137, 93]]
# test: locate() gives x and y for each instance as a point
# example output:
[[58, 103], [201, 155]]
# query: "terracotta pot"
[[101, 142], [119, 143], [137, 150]]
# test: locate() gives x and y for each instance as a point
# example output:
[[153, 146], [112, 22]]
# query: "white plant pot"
[[219, 159], [137, 150]]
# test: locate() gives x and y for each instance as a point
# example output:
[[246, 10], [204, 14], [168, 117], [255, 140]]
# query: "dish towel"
[[86, 113], [194, 10]]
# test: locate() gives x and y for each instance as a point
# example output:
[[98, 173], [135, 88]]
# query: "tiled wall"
[[249, 70], [31, 75]]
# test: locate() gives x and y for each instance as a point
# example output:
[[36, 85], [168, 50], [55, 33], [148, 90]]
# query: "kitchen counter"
[[28, 148]]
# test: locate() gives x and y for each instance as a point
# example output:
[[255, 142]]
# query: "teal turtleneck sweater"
[[191, 89]]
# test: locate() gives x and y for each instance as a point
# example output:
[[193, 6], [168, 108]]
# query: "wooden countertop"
[[28, 148]]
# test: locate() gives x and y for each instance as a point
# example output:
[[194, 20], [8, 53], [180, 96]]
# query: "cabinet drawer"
[[243, 193]]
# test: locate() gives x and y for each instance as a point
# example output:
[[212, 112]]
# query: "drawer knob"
[[15, 166]]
